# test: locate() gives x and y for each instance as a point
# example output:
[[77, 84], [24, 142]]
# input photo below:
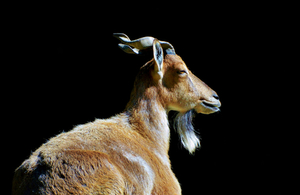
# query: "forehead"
[[174, 61]]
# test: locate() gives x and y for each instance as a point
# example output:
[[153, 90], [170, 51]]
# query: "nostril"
[[216, 96]]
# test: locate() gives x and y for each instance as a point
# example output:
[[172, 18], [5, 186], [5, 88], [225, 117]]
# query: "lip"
[[212, 106]]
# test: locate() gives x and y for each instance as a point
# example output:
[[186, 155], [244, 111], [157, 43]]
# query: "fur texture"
[[127, 153], [182, 123]]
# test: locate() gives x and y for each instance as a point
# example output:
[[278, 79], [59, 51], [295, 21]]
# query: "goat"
[[127, 153]]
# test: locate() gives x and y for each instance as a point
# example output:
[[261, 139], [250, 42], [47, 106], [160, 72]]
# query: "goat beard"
[[183, 124]]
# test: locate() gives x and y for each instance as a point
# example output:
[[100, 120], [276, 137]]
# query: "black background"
[[65, 69]]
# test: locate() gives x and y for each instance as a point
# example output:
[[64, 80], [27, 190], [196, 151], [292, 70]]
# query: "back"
[[89, 158]]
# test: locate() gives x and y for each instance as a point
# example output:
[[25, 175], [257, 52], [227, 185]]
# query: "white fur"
[[148, 182], [185, 129]]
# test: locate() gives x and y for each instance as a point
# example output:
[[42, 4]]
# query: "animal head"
[[179, 89]]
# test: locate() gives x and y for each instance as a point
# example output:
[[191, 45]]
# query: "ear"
[[158, 56]]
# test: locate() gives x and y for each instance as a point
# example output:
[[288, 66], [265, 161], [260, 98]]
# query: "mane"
[[182, 123]]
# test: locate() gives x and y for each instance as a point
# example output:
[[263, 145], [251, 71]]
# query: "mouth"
[[211, 106]]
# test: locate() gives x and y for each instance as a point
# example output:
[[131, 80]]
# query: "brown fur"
[[125, 154]]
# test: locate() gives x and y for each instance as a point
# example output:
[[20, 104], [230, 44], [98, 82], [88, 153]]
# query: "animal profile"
[[126, 154]]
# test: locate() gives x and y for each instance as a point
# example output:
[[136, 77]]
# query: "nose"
[[216, 96]]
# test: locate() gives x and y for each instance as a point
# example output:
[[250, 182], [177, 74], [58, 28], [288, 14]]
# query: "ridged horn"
[[137, 46]]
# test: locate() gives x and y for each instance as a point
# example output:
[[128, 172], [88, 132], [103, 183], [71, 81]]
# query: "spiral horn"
[[138, 46]]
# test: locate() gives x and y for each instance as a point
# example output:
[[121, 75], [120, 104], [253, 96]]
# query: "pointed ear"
[[158, 56]]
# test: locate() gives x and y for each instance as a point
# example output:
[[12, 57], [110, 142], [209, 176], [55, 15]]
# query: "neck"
[[149, 118], [147, 113]]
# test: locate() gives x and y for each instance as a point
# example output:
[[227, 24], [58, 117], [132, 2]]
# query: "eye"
[[181, 72]]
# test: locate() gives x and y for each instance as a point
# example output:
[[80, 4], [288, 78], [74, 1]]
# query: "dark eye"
[[181, 72]]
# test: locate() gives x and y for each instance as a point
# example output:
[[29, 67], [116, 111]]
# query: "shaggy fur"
[[126, 154], [182, 123]]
